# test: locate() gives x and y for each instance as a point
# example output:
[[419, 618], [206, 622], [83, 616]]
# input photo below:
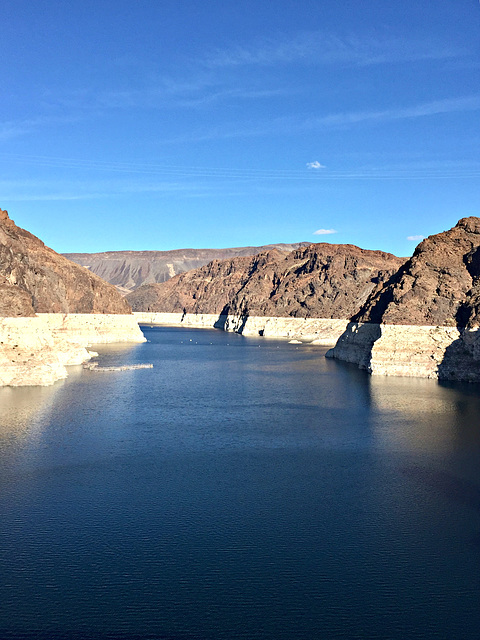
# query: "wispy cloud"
[[324, 232], [13, 128], [61, 190], [210, 97], [435, 107], [415, 238], [296, 124], [213, 80], [315, 165], [166, 93], [322, 48]]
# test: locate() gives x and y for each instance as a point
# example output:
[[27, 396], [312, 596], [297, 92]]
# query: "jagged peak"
[[470, 224]]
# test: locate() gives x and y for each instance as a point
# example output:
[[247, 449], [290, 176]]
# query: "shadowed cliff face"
[[33, 278], [321, 280], [128, 270], [439, 285]]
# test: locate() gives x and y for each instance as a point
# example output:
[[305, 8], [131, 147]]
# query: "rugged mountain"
[[320, 280], [33, 278], [438, 285], [128, 270]]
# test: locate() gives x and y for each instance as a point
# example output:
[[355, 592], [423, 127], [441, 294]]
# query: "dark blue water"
[[243, 488]]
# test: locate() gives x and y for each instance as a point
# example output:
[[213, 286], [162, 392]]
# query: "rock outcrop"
[[128, 270], [318, 281], [34, 278], [36, 350], [438, 286], [446, 353], [51, 309], [419, 317], [425, 320]]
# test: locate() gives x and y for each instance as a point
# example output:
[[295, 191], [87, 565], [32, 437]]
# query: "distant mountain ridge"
[[320, 280], [128, 270]]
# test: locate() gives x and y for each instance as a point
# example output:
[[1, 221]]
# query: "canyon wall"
[[36, 279], [424, 321], [319, 281], [319, 331], [51, 309], [439, 352]]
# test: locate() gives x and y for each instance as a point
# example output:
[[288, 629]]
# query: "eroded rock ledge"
[[444, 353], [36, 350]]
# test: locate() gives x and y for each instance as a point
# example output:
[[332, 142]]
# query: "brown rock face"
[[321, 280], [439, 285], [128, 270], [33, 278]]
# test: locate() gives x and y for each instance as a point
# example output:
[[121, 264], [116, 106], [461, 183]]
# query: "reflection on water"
[[22, 410], [27, 413], [242, 488]]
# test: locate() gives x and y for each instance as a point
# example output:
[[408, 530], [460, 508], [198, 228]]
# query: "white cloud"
[[324, 232], [315, 165], [415, 238]]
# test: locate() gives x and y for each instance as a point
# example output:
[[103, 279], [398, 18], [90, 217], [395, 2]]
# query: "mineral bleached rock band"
[[389, 315]]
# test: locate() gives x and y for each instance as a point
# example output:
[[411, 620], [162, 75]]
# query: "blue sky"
[[165, 124]]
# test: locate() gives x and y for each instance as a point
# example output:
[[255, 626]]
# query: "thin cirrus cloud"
[[57, 190], [13, 128], [315, 165], [434, 107], [165, 93], [292, 124], [323, 48], [324, 232], [415, 238]]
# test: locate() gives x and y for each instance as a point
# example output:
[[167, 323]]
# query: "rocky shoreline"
[[417, 317], [437, 352], [51, 310], [319, 331], [36, 350], [390, 316]]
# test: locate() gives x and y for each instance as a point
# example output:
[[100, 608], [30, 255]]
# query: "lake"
[[242, 488]]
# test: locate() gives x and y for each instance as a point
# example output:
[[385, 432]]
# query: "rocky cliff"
[[438, 285], [128, 270], [76, 309], [425, 320], [34, 278], [318, 281], [419, 317]]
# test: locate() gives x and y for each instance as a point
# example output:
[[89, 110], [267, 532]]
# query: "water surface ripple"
[[242, 488]]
